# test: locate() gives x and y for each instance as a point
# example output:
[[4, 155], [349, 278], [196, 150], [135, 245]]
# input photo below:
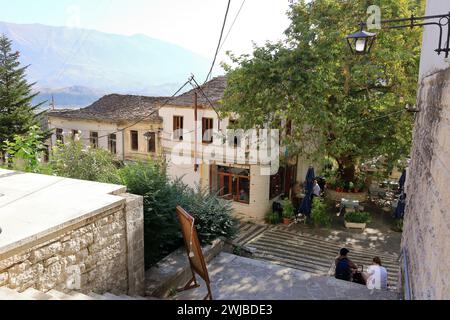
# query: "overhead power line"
[[232, 25], [152, 113], [220, 41]]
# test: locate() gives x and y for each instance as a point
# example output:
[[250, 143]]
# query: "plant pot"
[[353, 225], [287, 221]]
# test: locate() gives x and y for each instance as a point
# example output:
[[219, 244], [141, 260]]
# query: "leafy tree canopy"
[[349, 107]]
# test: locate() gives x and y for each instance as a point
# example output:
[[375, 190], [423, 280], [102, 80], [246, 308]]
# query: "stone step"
[[325, 243], [96, 296], [248, 232], [58, 295], [315, 251], [9, 294], [312, 254], [79, 296], [110, 296], [36, 295], [304, 262]]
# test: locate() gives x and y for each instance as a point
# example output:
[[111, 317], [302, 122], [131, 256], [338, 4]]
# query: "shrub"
[[273, 218], [213, 215], [161, 197], [161, 229], [73, 160], [288, 209], [25, 153], [319, 214], [358, 217]]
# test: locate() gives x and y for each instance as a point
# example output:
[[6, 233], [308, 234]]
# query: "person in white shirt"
[[317, 190], [376, 276]]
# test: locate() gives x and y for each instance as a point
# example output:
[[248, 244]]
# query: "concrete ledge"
[[174, 271]]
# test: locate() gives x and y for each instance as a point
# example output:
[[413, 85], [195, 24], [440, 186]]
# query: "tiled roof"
[[115, 108], [214, 89]]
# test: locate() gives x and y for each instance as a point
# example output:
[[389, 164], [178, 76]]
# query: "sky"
[[192, 24]]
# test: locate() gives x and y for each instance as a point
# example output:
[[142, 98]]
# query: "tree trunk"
[[347, 170]]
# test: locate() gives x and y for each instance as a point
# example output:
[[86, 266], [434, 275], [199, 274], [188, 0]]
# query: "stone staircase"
[[247, 232], [311, 253], [33, 294]]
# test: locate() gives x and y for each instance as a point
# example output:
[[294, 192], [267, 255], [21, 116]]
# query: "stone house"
[[128, 126], [243, 182], [113, 123], [426, 238]]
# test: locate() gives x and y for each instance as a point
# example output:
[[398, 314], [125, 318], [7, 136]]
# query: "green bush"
[[288, 209], [73, 160], [358, 217], [161, 197], [213, 215], [25, 152], [273, 218], [319, 214]]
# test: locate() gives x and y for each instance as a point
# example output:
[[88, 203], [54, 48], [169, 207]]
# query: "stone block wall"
[[100, 254], [426, 240]]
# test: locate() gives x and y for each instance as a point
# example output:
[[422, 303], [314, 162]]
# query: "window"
[[207, 130], [151, 136], [75, 134], [112, 143], [234, 140], [60, 135], [93, 138], [277, 184], [234, 184], [134, 140], [178, 126]]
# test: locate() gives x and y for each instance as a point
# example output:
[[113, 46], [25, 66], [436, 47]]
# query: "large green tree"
[[345, 106], [17, 114]]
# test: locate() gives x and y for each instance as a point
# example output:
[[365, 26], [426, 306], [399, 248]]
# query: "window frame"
[[59, 135], [134, 140], [110, 145], [178, 128], [207, 124], [234, 185], [94, 139], [153, 138]]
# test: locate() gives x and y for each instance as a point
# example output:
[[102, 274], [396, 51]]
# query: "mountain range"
[[78, 66]]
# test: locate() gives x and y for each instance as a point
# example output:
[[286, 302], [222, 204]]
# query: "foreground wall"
[[103, 253], [426, 240]]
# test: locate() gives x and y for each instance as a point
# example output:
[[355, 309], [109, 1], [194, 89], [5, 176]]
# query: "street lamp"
[[362, 41]]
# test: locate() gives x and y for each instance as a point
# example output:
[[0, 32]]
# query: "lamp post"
[[362, 41]]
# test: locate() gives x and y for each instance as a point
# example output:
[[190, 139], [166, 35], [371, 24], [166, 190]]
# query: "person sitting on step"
[[376, 276], [345, 268]]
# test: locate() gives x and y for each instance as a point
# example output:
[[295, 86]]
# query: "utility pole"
[[196, 130]]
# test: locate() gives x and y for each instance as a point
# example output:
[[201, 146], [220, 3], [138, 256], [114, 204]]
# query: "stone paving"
[[238, 278]]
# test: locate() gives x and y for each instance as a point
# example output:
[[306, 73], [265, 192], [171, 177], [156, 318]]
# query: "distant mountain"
[[77, 65]]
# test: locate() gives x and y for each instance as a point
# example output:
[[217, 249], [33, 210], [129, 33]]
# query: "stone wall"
[[104, 253], [426, 240]]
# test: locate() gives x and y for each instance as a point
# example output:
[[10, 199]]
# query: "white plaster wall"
[[430, 61], [85, 126]]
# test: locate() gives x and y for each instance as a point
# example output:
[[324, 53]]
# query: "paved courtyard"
[[238, 278]]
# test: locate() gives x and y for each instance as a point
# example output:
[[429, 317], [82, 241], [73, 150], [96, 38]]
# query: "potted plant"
[[273, 218], [288, 211], [357, 220]]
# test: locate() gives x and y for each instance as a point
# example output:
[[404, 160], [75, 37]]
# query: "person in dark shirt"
[[345, 268]]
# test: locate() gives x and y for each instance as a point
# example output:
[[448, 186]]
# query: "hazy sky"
[[193, 24]]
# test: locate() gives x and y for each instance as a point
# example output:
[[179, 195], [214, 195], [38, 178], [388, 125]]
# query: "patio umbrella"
[[402, 181], [400, 211], [305, 207]]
